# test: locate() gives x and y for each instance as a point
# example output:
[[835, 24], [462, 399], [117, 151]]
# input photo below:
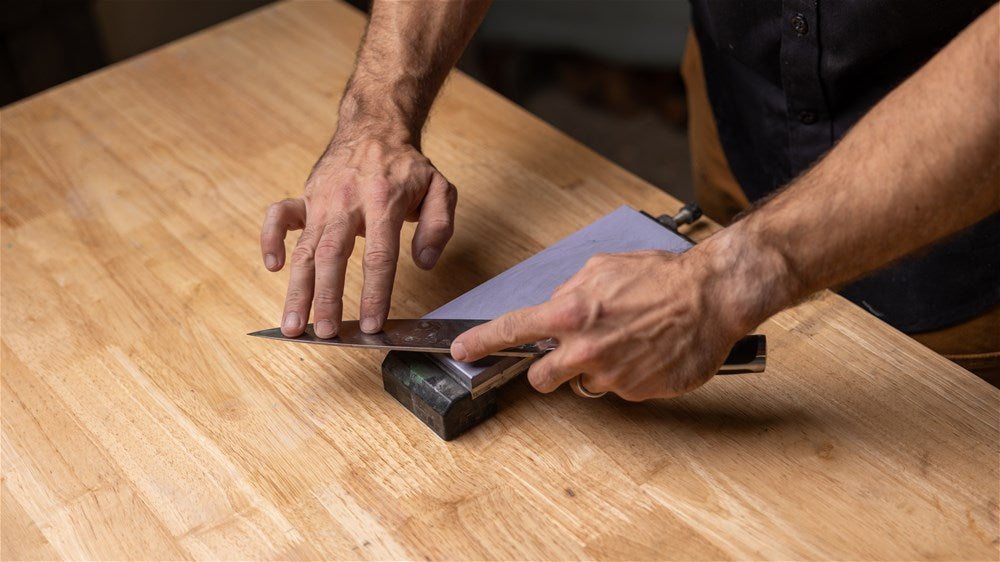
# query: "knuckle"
[[302, 255], [378, 259], [597, 260], [373, 301], [313, 185], [561, 290], [326, 298], [440, 227], [438, 181], [273, 212], [297, 298], [539, 377], [506, 329], [567, 314], [380, 193], [380, 224], [576, 313], [331, 249], [309, 233], [341, 222], [450, 198], [379, 185]]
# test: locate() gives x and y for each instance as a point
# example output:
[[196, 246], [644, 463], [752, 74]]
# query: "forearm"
[[921, 165], [408, 50]]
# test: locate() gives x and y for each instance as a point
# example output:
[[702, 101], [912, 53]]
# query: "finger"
[[549, 372], [379, 266], [517, 327], [332, 254], [280, 217], [437, 222], [300, 283]]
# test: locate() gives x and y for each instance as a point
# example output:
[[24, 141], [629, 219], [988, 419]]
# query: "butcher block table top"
[[140, 422]]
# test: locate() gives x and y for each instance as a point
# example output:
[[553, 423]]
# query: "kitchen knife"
[[749, 355]]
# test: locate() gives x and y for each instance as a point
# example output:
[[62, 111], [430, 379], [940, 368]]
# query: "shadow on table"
[[705, 410]]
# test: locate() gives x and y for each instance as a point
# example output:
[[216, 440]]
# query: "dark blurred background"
[[603, 71]]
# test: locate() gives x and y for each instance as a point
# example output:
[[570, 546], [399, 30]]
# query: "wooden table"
[[140, 422]]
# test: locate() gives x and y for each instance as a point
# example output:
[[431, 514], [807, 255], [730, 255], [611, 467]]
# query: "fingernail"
[[369, 325], [270, 261], [291, 321], [324, 329], [458, 352], [429, 257]]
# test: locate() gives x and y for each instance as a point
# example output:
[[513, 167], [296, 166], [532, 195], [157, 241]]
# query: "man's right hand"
[[361, 186]]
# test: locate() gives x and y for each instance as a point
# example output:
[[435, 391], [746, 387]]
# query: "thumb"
[[436, 222]]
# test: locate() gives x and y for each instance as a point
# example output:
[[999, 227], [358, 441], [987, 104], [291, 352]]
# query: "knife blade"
[[429, 336], [749, 355]]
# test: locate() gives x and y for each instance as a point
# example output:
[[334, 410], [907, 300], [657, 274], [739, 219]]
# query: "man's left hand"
[[642, 325]]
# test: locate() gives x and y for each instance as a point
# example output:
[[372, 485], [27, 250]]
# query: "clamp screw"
[[687, 215]]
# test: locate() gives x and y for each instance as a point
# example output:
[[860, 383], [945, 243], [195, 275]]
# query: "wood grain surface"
[[139, 422]]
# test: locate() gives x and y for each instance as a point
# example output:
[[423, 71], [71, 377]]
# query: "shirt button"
[[799, 24], [807, 117]]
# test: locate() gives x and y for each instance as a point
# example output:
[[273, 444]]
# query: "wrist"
[[362, 115], [749, 277]]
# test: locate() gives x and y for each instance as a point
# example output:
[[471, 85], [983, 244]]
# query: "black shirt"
[[786, 79]]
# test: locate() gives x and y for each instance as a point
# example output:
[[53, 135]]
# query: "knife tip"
[[268, 333]]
